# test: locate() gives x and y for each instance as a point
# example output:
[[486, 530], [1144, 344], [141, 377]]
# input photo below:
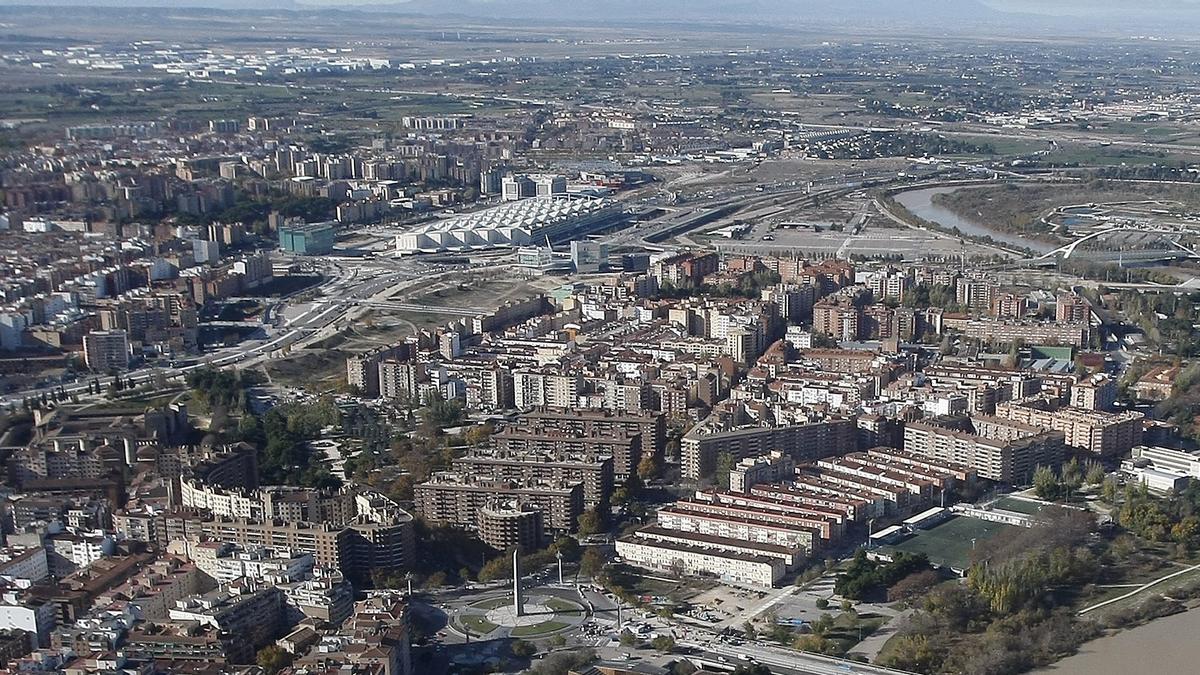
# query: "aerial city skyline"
[[610, 338]]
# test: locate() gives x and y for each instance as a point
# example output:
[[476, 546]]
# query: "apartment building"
[[506, 524], [699, 555], [548, 440], [753, 530], [1007, 331], [362, 370], [997, 449], [772, 467], [536, 389], [649, 427], [452, 498], [106, 351], [803, 443], [1103, 434], [249, 617], [595, 472], [1097, 391]]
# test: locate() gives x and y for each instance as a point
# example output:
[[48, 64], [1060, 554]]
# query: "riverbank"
[[1165, 645], [920, 203]]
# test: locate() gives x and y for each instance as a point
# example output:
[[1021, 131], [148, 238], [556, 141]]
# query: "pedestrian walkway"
[[871, 646]]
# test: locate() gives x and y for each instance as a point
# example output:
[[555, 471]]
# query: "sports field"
[[1022, 506], [949, 543]]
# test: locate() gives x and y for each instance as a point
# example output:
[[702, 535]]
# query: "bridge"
[[1173, 249]]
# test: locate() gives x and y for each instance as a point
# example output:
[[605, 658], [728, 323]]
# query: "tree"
[[522, 649], [478, 434], [567, 546], [816, 644], [647, 468], [273, 659], [558, 641], [495, 569], [754, 669], [1185, 531], [724, 464], [822, 603], [590, 522], [913, 586], [663, 643], [1095, 475], [912, 652], [628, 638], [1109, 490], [1045, 483], [1072, 476], [620, 496], [591, 563]]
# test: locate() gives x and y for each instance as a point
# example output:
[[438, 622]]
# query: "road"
[[782, 661], [315, 321]]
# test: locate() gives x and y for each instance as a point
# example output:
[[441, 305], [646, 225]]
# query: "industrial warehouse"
[[520, 223]]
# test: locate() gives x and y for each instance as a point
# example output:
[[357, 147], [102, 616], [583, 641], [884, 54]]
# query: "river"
[[1166, 645], [920, 203]]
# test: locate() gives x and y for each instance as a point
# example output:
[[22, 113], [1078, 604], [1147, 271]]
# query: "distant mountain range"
[[203, 4], [698, 10], [1074, 17]]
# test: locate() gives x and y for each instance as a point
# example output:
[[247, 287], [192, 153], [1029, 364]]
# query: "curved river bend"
[[920, 203]]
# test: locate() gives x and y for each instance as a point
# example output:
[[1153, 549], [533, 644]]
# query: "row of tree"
[[1010, 616], [866, 577]]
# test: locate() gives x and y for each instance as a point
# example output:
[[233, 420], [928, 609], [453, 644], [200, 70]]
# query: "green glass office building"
[[307, 238]]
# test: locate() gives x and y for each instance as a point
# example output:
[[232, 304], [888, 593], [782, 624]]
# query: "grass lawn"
[[639, 584], [477, 624], [308, 367], [539, 629], [491, 603], [847, 635], [564, 606], [1186, 580]]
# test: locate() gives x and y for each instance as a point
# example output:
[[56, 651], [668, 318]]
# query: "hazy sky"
[[1048, 7], [1181, 17], [1084, 7]]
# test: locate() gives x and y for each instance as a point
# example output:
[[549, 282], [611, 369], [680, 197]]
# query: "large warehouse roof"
[[515, 224]]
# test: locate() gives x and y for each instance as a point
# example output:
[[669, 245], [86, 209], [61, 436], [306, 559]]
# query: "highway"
[[350, 290], [781, 661], [313, 323]]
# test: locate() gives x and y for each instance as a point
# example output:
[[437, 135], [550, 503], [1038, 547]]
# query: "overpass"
[[1177, 250], [468, 312]]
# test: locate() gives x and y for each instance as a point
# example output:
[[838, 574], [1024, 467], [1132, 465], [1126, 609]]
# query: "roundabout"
[[500, 617]]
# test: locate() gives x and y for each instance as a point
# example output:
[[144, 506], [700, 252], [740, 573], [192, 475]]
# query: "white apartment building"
[[28, 615], [23, 566], [732, 567]]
